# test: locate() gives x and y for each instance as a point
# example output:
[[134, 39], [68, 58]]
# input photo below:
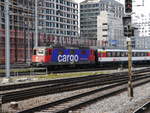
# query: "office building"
[[94, 14]]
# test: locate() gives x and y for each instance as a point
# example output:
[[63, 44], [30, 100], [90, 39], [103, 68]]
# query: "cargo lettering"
[[68, 58]]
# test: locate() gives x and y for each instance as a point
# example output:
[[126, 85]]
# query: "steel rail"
[[45, 82], [63, 106], [144, 108]]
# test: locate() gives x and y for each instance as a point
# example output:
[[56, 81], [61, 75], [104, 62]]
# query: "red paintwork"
[[92, 55], [42, 58]]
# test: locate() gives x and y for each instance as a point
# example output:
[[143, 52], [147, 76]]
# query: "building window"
[[104, 35], [104, 29], [104, 23]]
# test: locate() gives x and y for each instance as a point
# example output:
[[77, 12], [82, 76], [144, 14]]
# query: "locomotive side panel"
[[70, 56]]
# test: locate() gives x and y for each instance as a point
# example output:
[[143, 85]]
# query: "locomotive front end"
[[41, 56]]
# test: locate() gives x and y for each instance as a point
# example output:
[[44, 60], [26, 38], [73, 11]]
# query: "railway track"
[[59, 70], [58, 87], [75, 79], [63, 85], [80, 100], [52, 71], [144, 108], [56, 81]]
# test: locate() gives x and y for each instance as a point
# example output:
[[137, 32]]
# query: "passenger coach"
[[119, 55]]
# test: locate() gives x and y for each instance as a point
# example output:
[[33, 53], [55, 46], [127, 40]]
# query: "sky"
[[136, 7]]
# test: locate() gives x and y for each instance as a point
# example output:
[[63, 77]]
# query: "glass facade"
[[60, 17]]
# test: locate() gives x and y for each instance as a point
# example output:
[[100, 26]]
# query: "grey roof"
[[96, 1], [89, 1]]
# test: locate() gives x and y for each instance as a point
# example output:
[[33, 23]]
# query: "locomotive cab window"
[[40, 52], [34, 52]]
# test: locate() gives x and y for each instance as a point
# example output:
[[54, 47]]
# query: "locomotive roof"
[[62, 47]]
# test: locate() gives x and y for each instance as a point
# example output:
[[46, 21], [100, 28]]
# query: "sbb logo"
[[68, 58]]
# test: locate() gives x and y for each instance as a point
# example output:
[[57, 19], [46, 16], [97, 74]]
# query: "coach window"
[[126, 54], [136, 54], [113, 54], [146, 54], [117, 54], [143, 53], [122, 54], [108, 54], [133, 54], [139, 54]]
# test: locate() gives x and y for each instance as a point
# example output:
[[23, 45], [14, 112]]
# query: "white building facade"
[[110, 30], [58, 18], [102, 20], [142, 23]]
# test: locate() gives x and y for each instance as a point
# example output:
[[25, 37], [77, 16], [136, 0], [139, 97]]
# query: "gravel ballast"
[[120, 103]]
